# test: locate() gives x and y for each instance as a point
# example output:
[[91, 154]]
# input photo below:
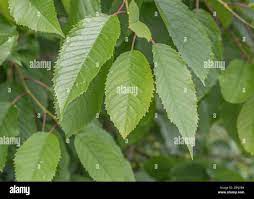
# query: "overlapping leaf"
[[79, 9], [138, 27], [39, 15], [101, 157], [245, 126], [129, 90], [86, 107], [237, 82], [176, 90], [8, 36], [213, 32], [37, 158], [188, 34], [8, 120], [89, 45]]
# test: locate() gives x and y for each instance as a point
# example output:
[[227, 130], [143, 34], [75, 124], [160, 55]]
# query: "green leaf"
[[26, 119], [37, 158], [67, 5], [222, 13], [90, 44], [133, 12], [3, 156], [83, 8], [38, 15], [63, 172], [86, 107], [129, 91], [222, 173], [8, 36], [4, 10], [176, 90], [142, 129], [245, 126], [101, 157], [188, 34], [160, 167], [140, 29], [213, 32], [237, 82], [8, 120], [189, 171]]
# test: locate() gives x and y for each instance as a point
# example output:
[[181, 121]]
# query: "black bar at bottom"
[[92, 189]]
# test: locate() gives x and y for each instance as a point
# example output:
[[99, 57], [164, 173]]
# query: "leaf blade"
[[188, 35], [90, 44], [176, 90], [131, 73], [101, 157], [37, 158]]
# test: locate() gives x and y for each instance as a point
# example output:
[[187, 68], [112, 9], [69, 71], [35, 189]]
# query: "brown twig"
[[226, 6], [133, 41], [44, 121], [38, 82], [120, 8], [239, 44], [53, 128], [21, 76], [197, 4], [18, 98]]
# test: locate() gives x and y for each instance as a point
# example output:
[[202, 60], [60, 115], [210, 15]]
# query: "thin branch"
[[197, 4], [33, 97], [235, 14], [38, 82], [126, 5], [44, 121], [235, 4], [18, 98], [120, 8], [153, 42], [239, 44], [53, 128], [133, 41]]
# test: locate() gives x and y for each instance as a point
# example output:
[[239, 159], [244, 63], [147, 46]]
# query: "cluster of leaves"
[[129, 79]]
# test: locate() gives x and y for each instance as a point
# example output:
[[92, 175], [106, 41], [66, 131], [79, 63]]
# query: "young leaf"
[[188, 34], [85, 108], [176, 90], [39, 15], [140, 29], [245, 126], [37, 158], [237, 82], [8, 120], [89, 45], [129, 90], [101, 157]]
